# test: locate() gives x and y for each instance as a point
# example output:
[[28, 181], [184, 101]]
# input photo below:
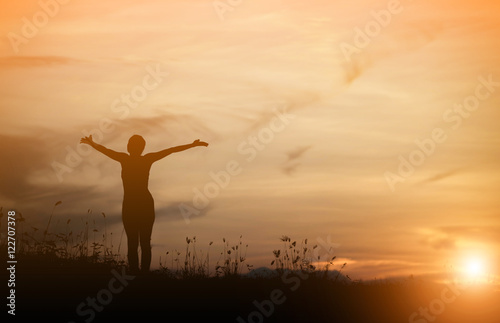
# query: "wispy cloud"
[[291, 164], [438, 243], [33, 61], [297, 152], [487, 234], [441, 176], [21, 156], [448, 237]]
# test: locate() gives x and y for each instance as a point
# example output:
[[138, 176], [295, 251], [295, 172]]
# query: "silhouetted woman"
[[138, 213]]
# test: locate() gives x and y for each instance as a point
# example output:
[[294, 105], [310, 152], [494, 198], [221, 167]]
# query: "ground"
[[54, 290]]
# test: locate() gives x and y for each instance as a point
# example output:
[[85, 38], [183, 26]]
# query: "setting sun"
[[475, 268]]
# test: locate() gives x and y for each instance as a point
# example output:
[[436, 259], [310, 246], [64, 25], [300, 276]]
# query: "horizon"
[[366, 127]]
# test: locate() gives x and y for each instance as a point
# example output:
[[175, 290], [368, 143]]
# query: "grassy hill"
[[50, 289], [66, 277]]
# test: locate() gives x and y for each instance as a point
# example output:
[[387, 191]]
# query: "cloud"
[[440, 176], [270, 98], [171, 128], [297, 152], [34, 61], [172, 212], [28, 182], [438, 243], [169, 212], [290, 166], [290, 169], [487, 234], [447, 238], [21, 155], [407, 38]]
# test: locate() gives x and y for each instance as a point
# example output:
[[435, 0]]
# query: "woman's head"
[[136, 145]]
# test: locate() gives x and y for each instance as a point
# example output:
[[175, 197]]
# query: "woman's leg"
[[145, 240], [132, 231]]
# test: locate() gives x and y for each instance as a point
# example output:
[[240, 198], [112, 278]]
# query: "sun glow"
[[475, 269]]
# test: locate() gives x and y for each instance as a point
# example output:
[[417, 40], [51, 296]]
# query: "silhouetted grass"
[[196, 263], [92, 244], [88, 244], [56, 272]]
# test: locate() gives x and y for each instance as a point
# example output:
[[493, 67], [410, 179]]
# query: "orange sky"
[[330, 170]]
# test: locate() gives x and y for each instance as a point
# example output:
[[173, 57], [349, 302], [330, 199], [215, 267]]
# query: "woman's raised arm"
[[100, 148], [164, 153]]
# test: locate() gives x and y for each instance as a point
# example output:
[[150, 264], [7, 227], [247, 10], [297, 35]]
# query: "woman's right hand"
[[87, 140], [197, 142]]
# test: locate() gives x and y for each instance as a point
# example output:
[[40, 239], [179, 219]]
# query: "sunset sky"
[[321, 105]]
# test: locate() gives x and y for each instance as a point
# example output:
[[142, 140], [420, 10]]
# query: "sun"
[[475, 268]]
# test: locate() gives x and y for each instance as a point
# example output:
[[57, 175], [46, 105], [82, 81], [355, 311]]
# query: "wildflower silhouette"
[[138, 212]]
